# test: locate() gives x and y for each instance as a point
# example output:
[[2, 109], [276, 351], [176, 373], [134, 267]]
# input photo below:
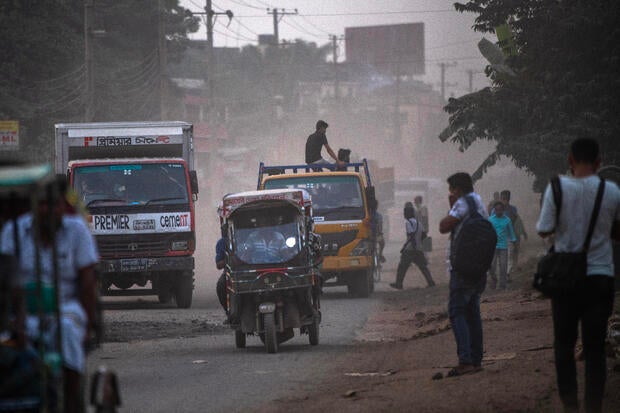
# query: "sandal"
[[461, 370]]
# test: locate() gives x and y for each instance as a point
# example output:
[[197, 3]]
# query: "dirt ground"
[[408, 341]]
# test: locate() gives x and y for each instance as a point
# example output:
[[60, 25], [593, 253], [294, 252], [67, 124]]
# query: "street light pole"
[[163, 85], [89, 111]]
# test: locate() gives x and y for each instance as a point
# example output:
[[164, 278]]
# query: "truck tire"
[[271, 335], [164, 297], [184, 291], [240, 339], [361, 284]]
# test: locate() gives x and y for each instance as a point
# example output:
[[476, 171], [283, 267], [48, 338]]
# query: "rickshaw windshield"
[[266, 235]]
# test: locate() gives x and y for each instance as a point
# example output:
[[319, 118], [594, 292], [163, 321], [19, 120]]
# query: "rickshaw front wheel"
[[313, 332], [240, 339], [271, 335]]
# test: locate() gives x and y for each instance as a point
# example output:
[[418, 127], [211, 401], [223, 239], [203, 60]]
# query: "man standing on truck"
[[315, 143]]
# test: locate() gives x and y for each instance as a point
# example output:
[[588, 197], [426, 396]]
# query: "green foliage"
[[567, 61], [42, 68]]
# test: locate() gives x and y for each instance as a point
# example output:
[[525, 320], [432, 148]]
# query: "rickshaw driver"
[[263, 245]]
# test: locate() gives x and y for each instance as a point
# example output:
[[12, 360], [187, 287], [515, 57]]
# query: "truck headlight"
[[362, 248], [179, 245]]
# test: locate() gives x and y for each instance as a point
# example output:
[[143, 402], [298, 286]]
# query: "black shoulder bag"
[[559, 272]]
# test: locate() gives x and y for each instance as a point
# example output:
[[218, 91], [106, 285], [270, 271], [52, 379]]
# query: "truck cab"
[[138, 184], [342, 217]]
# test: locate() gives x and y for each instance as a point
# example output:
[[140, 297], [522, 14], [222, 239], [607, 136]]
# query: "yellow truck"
[[342, 201]]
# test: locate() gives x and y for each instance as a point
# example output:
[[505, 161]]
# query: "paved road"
[[171, 360]]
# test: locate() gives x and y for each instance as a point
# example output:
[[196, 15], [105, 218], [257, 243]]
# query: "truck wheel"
[[313, 332], [164, 296], [271, 335], [360, 285], [239, 339], [183, 292]]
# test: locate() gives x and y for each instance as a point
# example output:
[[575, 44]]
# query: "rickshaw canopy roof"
[[300, 198], [21, 178]]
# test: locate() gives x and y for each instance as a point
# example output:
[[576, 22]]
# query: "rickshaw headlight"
[[362, 248]]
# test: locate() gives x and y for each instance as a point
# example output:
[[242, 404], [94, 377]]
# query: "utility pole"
[[334, 40], [209, 13], [210, 55], [163, 84], [397, 119], [443, 67], [276, 19], [470, 76], [89, 112]]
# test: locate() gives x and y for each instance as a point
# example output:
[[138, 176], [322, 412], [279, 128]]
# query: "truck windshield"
[[266, 236], [131, 184], [333, 197]]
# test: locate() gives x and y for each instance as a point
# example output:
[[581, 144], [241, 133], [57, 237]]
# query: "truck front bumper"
[[346, 264], [152, 264]]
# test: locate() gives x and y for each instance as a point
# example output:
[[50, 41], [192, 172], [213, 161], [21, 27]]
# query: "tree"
[[566, 60], [42, 70]]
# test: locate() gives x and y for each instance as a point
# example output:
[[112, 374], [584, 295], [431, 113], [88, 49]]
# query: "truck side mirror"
[[193, 182]]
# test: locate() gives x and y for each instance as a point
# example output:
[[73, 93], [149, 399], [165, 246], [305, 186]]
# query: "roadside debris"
[[370, 374]]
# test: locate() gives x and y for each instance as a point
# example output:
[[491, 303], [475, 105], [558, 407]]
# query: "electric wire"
[[61, 80], [244, 4], [312, 24], [302, 30], [375, 13], [135, 78], [153, 53]]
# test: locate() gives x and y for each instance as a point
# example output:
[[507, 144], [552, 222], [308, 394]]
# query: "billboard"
[[9, 135], [388, 49]]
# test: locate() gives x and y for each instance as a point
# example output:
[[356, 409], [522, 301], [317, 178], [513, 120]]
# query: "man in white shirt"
[[591, 301], [464, 300], [76, 256]]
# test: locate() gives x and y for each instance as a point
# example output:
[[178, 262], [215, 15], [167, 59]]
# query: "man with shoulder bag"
[[581, 211], [411, 252]]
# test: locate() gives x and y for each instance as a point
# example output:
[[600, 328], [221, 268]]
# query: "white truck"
[[138, 183]]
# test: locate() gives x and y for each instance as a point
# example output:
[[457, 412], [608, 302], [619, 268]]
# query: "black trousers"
[[416, 257], [592, 304]]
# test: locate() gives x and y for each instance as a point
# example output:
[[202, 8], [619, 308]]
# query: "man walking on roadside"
[[464, 300], [315, 143], [591, 300], [411, 252]]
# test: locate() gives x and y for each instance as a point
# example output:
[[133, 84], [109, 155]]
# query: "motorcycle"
[[272, 258]]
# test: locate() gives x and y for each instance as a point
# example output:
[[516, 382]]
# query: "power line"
[[313, 25], [244, 4], [238, 36], [302, 30], [372, 13]]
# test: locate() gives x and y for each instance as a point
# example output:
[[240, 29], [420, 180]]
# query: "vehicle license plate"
[[134, 265]]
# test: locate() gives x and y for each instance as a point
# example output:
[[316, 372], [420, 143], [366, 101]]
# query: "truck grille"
[[331, 242], [128, 246]]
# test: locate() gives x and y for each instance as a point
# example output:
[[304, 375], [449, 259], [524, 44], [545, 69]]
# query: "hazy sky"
[[448, 34]]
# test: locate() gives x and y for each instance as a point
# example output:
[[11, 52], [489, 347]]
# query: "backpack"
[[473, 248]]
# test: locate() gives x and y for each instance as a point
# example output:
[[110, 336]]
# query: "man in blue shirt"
[[505, 233]]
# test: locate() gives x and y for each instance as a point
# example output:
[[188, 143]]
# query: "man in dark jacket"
[[315, 143]]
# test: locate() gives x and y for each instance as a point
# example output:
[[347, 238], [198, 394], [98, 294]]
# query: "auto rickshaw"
[[272, 258]]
